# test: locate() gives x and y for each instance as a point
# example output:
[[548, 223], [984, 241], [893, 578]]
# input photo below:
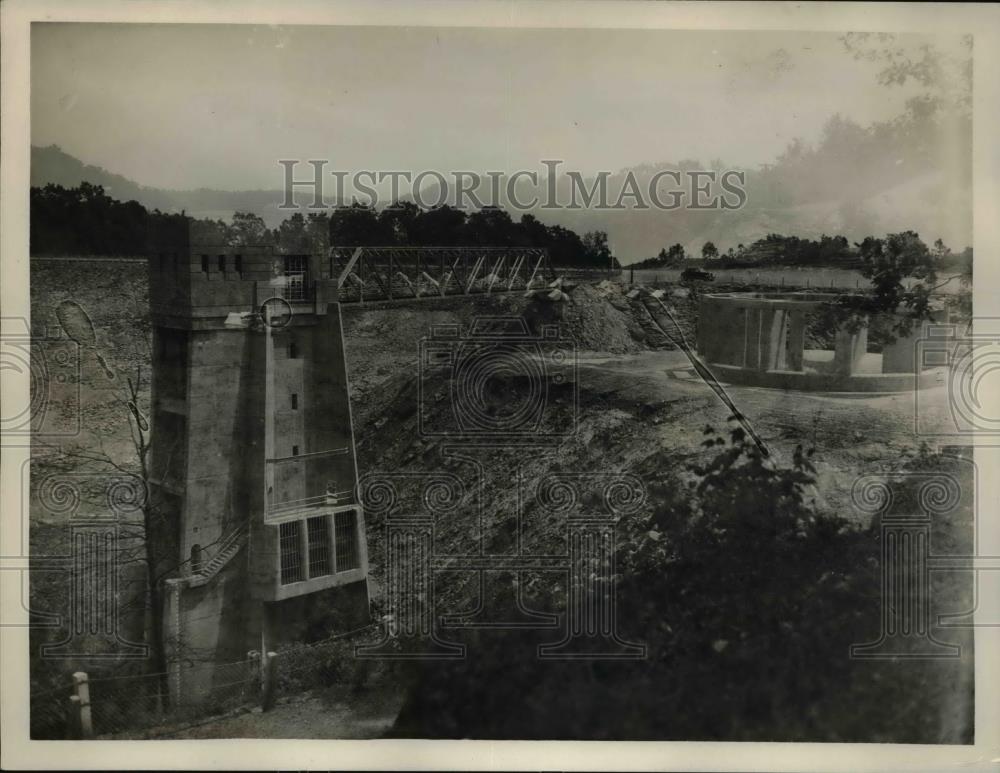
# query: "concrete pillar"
[[269, 677], [796, 340], [74, 727], [722, 332], [173, 589], [752, 350], [901, 355], [81, 691], [849, 348], [707, 331], [773, 329]]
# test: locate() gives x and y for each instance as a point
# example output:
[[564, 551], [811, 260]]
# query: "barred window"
[[319, 546], [346, 540], [296, 277], [290, 538]]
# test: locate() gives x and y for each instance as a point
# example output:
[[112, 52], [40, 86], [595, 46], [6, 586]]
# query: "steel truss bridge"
[[406, 273]]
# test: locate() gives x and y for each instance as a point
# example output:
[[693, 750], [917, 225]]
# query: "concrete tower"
[[252, 469]]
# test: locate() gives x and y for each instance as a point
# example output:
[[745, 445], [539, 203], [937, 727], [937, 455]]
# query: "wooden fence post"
[[81, 690], [269, 665]]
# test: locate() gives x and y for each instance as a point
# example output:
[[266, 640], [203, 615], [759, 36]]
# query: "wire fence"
[[324, 663], [133, 704], [50, 713], [128, 703]]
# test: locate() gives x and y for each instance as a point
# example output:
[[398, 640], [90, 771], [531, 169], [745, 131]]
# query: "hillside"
[[53, 165], [909, 192]]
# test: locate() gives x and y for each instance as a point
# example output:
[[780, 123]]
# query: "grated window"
[[346, 540], [296, 277], [290, 538], [319, 546]]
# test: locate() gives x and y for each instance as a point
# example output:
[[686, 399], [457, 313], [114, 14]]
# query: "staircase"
[[228, 548]]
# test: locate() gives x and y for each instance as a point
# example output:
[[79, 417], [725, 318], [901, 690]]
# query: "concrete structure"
[[252, 467], [759, 339]]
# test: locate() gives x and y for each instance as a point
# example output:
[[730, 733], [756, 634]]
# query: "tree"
[[490, 226], [318, 232], [890, 264], [211, 232], [356, 226], [85, 221], [397, 221], [676, 254], [945, 74], [709, 251], [292, 234], [440, 226], [532, 232], [248, 229], [595, 249]]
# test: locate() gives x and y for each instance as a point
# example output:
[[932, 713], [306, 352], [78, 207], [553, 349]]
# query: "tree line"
[[86, 221], [779, 250]]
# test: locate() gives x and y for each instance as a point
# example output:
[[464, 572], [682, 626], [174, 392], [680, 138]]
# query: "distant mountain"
[[856, 182], [52, 165]]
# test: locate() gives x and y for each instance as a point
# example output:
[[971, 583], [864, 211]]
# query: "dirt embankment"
[[383, 341]]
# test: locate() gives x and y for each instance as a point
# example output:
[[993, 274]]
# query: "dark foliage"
[[746, 597], [405, 224], [86, 221]]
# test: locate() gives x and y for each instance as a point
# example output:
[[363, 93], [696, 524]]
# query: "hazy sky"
[[185, 106]]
